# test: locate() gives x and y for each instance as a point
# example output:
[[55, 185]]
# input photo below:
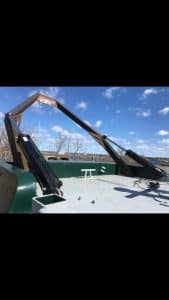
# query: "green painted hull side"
[[65, 169], [22, 202]]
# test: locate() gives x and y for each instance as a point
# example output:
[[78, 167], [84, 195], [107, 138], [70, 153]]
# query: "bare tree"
[[5, 151], [60, 142], [68, 144], [77, 146]]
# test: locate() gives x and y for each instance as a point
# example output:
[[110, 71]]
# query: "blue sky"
[[135, 117]]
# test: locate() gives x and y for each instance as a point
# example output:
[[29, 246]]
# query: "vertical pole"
[[39, 137]]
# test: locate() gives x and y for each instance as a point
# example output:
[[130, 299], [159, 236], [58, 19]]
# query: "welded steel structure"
[[27, 156]]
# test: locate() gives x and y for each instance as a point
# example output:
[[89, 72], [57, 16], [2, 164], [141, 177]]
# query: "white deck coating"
[[111, 194]]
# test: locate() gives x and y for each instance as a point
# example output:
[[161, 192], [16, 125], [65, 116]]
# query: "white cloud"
[[51, 140], [145, 147], [51, 91], [89, 144], [162, 132], [165, 141], [82, 105], [152, 91], [98, 123], [87, 122], [144, 114], [114, 91], [32, 93], [57, 129], [60, 130], [140, 141], [37, 108], [121, 141], [66, 133], [1, 115], [142, 147], [164, 111], [148, 92], [110, 91], [139, 112], [113, 138], [148, 148], [89, 140], [131, 132], [77, 136]]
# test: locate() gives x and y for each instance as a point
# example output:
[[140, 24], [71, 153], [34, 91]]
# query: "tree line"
[[61, 143]]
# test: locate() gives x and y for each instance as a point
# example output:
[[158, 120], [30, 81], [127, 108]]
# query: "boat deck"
[[110, 194]]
